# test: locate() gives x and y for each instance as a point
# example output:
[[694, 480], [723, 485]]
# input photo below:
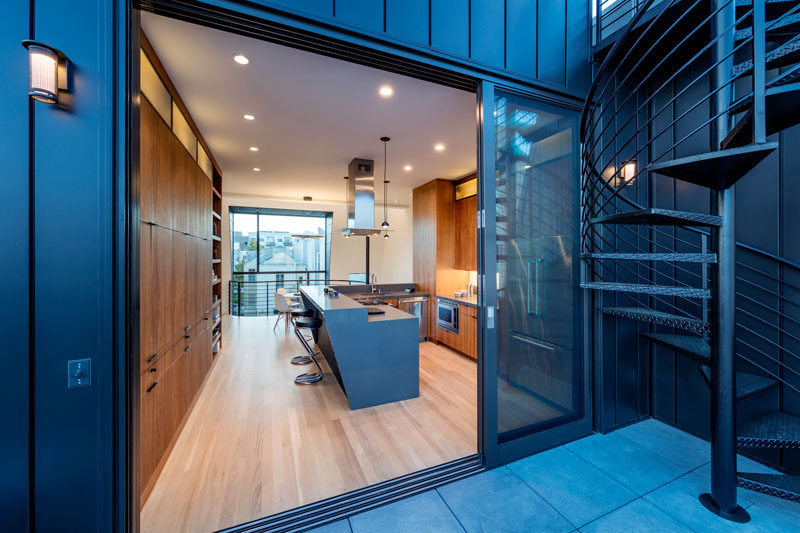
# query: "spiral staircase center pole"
[[722, 499]]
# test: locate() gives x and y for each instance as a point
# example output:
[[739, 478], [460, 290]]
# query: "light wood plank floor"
[[256, 443]]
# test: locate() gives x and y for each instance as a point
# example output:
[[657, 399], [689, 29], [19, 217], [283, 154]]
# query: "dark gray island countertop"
[[375, 358]]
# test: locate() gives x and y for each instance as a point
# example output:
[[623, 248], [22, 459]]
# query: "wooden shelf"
[[216, 238], [215, 215], [216, 193], [216, 282], [216, 261]]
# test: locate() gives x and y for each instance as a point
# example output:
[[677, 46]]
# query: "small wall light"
[[628, 172], [48, 72]]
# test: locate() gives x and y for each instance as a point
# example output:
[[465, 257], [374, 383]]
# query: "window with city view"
[[277, 249]]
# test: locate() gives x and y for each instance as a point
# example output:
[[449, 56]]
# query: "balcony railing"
[[255, 296]]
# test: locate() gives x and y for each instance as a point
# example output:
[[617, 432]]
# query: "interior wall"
[[390, 259]]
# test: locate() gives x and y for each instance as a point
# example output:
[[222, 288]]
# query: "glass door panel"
[[540, 370]]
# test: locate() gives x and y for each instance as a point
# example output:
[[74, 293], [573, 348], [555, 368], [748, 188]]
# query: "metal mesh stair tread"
[[696, 348], [655, 216], [786, 487], [782, 55], [717, 170], [658, 317], [663, 290], [747, 384], [773, 430], [782, 110], [675, 257], [778, 26]]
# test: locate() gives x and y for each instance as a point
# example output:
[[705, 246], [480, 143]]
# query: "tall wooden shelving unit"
[[216, 264]]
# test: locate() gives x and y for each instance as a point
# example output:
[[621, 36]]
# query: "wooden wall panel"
[[466, 234], [175, 289]]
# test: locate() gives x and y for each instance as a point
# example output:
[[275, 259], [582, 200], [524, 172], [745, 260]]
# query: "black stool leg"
[[302, 359], [309, 377]]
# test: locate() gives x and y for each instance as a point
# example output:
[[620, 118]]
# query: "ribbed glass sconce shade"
[[43, 80]]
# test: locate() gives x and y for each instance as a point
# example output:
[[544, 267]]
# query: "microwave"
[[447, 315]]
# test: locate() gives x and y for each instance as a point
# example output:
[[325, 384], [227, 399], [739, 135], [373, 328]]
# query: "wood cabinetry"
[[466, 234], [466, 339], [176, 295]]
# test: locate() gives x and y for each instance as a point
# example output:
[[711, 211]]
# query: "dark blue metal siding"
[[450, 26], [487, 29], [73, 201], [551, 54], [543, 39], [365, 14], [408, 20], [522, 39], [14, 267]]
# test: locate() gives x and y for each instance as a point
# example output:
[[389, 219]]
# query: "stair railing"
[[666, 82]]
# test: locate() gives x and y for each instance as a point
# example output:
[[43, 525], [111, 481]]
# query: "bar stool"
[[296, 314], [312, 324]]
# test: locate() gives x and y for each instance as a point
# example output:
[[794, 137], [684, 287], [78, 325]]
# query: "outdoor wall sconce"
[[49, 73], [628, 173]]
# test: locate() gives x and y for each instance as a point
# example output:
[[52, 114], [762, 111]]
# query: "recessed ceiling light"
[[526, 167], [254, 148], [407, 168], [256, 169], [242, 60], [248, 117], [386, 91], [439, 147]]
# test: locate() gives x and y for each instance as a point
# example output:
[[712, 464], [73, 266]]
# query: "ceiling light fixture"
[[241, 59], [439, 147], [254, 148], [248, 117], [385, 223], [408, 168], [386, 91], [256, 169]]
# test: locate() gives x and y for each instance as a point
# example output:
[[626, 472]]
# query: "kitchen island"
[[375, 358]]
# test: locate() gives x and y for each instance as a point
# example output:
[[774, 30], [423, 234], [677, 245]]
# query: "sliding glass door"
[[535, 368]]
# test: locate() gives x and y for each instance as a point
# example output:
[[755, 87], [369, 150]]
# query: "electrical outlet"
[[79, 373]]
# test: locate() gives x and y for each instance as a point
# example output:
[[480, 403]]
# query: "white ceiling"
[[313, 115]]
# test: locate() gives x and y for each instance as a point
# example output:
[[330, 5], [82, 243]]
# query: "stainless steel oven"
[[447, 315]]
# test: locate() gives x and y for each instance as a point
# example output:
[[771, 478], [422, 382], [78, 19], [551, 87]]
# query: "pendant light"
[[385, 224]]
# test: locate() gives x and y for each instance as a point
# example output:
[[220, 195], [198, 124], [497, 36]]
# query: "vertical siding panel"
[[366, 14], [14, 279], [487, 32], [551, 52], [408, 20], [578, 43], [521, 36], [450, 26], [320, 8]]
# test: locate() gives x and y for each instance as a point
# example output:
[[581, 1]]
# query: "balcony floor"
[[645, 477]]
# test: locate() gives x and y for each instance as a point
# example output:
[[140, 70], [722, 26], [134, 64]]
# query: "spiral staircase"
[[673, 75]]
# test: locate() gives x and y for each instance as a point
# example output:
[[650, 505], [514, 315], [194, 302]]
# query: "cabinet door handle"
[[187, 336], [187, 348], [154, 369], [151, 357], [153, 386]]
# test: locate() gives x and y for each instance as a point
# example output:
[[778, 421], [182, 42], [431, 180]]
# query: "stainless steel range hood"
[[361, 199]]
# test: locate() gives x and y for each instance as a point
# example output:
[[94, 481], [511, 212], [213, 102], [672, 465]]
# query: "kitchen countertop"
[[471, 300], [326, 302], [363, 349]]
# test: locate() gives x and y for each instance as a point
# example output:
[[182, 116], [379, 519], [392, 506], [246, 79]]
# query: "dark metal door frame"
[[496, 453], [322, 37]]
